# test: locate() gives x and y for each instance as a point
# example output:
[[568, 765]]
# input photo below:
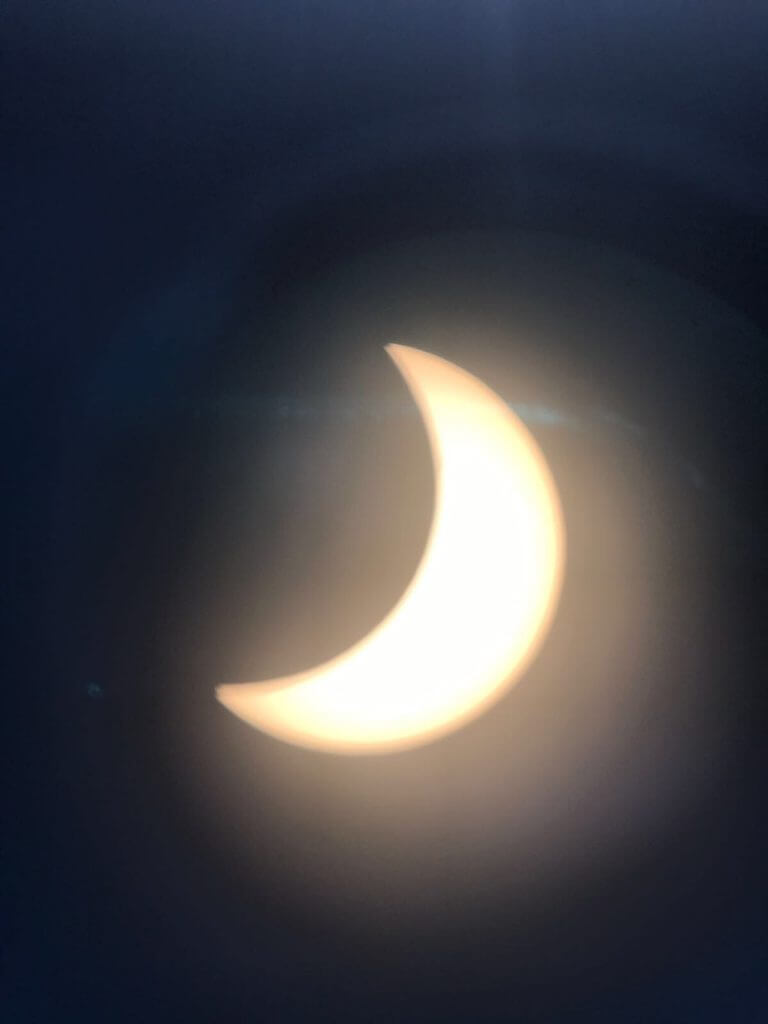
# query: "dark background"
[[215, 217]]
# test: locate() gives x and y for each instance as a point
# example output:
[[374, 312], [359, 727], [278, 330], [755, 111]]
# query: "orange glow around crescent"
[[477, 607]]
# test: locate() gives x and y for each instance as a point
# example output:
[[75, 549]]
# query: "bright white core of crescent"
[[477, 608]]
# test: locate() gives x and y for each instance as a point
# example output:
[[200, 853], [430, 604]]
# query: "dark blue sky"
[[216, 215]]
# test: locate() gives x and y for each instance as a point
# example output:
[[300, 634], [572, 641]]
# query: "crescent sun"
[[479, 604]]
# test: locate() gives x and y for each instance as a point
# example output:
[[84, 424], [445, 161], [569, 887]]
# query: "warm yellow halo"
[[477, 608]]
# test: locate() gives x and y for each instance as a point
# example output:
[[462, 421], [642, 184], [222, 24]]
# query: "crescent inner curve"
[[477, 607]]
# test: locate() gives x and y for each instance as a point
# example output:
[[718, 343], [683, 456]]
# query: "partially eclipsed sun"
[[474, 613]]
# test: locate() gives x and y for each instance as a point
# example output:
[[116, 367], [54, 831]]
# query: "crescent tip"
[[408, 360], [223, 693], [394, 350]]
